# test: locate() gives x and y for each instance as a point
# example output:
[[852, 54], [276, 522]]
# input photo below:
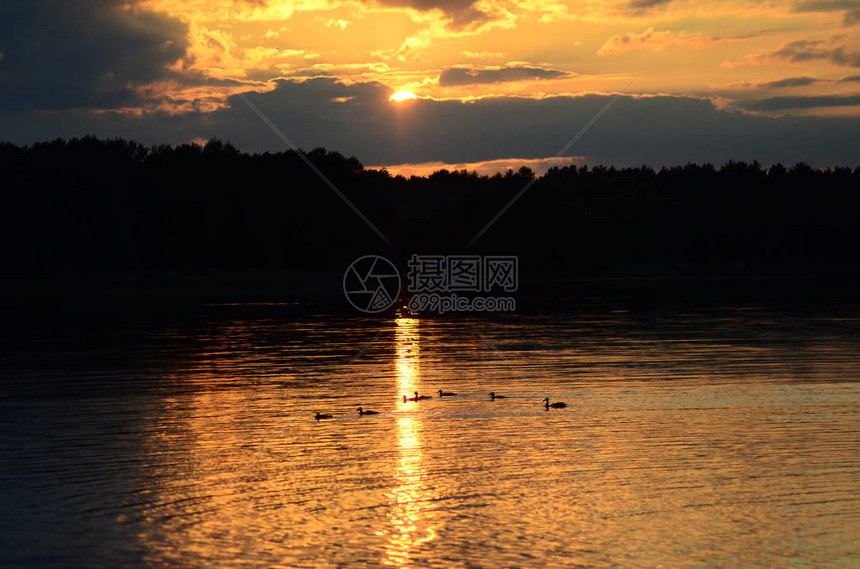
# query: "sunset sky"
[[495, 82]]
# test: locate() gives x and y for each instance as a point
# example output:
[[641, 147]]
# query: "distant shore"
[[96, 222]]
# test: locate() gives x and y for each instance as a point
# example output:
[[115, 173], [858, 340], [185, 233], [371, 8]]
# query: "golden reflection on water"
[[406, 342], [406, 533], [720, 469]]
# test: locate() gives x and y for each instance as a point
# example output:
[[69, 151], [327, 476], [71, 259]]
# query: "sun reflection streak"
[[408, 533], [406, 341]]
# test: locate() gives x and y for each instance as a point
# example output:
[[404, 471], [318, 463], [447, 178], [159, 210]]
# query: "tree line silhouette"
[[119, 207]]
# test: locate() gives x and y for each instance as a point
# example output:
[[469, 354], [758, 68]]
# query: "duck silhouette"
[[493, 396], [416, 398], [319, 416], [368, 412], [556, 405], [445, 393]]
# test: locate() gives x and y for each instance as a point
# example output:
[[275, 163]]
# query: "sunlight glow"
[[406, 340], [402, 96], [409, 529]]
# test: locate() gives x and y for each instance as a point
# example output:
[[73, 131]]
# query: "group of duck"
[[416, 397]]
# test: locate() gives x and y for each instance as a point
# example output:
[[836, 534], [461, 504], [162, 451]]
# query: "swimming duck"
[[416, 398], [556, 405], [319, 416], [363, 412], [445, 393], [493, 396]]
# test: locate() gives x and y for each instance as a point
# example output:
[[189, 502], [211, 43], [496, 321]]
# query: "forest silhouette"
[[117, 208]]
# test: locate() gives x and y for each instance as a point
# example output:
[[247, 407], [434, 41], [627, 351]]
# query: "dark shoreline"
[[103, 225], [97, 296]]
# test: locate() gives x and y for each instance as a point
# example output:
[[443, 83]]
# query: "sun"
[[402, 96]]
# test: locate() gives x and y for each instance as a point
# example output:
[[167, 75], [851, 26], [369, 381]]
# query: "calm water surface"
[[194, 444]]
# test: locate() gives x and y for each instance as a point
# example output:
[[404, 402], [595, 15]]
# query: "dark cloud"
[[824, 5], [797, 103], [473, 76], [462, 13], [62, 55], [199, 79], [644, 5], [812, 50], [359, 120], [850, 7], [789, 82], [741, 36]]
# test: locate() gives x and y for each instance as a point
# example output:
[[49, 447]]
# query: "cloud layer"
[[815, 50], [359, 120], [473, 76], [68, 55], [849, 8], [814, 102], [494, 79]]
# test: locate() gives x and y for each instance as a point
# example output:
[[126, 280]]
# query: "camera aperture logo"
[[437, 283], [372, 284]]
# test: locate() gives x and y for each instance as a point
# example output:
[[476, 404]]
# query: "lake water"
[[722, 437]]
